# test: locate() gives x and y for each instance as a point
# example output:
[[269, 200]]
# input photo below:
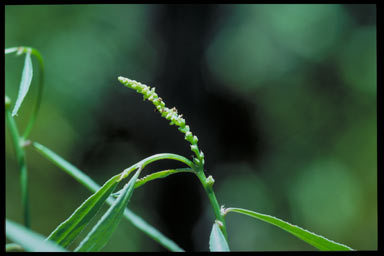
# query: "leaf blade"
[[26, 79], [217, 241], [86, 181], [30, 240], [311, 238], [101, 233], [68, 230]]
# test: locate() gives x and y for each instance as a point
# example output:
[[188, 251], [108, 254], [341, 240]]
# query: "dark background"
[[281, 97]]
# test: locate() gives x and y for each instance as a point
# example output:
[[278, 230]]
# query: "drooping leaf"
[[85, 180], [26, 79], [217, 241], [102, 231], [313, 239], [28, 239], [68, 230]]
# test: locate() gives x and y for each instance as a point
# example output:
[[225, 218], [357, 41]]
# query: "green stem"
[[212, 199], [20, 154]]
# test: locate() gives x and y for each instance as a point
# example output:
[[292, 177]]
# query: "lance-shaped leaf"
[[84, 179], [25, 83], [28, 239], [317, 241], [102, 232], [217, 241], [67, 231]]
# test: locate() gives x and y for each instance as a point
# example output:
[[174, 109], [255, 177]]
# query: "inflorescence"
[[169, 114]]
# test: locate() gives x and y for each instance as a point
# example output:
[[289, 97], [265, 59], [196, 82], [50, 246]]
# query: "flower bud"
[[7, 102], [210, 180], [196, 161], [188, 135]]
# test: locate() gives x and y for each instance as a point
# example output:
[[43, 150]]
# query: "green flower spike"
[[169, 114]]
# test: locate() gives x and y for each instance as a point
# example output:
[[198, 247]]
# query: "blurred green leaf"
[[217, 241], [11, 50], [25, 83], [102, 232], [317, 241], [28, 239], [67, 231], [12, 247]]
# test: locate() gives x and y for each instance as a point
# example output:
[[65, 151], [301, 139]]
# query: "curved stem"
[[20, 154]]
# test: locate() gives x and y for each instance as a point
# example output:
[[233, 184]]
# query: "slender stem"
[[20, 154], [212, 199]]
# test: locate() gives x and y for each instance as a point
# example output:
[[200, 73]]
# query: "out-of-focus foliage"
[[306, 73]]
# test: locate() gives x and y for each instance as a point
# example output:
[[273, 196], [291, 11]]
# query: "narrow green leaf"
[[86, 181], [67, 167], [217, 241], [151, 231], [102, 232], [160, 175], [25, 83], [317, 241], [156, 175], [39, 96], [68, 230], [28, 239]]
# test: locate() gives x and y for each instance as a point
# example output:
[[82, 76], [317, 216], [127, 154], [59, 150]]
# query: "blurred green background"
[[282, 98]]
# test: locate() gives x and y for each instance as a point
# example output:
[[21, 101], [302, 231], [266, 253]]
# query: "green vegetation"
[[66, 233]]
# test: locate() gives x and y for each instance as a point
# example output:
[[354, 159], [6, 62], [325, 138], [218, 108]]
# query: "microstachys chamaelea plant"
[[96, 239], [169, 114]]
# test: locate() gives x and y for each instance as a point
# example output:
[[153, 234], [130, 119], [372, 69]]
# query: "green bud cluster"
[[169, 114]]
